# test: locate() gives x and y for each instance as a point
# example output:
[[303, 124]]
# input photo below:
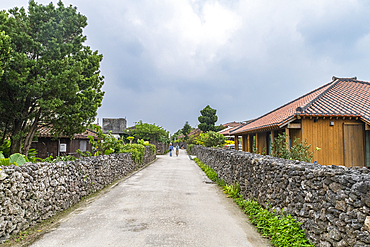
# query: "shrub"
[[211, 139], [298, 151], [16, 159], [190, 147], [137, 151]]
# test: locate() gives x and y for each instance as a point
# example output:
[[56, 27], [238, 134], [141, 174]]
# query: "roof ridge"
[[238, 127], [334, 82]]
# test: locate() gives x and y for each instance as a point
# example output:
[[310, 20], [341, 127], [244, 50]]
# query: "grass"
[[283, 231]]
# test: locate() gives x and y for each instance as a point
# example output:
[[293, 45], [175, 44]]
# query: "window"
[[83, 145]]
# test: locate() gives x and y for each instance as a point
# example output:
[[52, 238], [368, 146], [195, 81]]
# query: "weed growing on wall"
[[283, 231], [190, 147]]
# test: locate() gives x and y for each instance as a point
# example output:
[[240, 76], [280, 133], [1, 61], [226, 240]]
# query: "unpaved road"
[[169, 203]]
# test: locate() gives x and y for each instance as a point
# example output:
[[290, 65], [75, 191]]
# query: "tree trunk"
[[29, 138], [16, 138], [31, 133]]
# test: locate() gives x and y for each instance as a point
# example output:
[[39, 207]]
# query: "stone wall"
[[34, 192], [332, 202], [161, 147]]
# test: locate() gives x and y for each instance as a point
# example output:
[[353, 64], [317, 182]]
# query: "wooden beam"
[[294, 126], [257, 143], [367, 127]]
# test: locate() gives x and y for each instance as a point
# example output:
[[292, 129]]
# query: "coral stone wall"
[[332, 202], [34, 192]]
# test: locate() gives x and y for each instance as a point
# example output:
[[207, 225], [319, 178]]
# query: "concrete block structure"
[[116, 125]]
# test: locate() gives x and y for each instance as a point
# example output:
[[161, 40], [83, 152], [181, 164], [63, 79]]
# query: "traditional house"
[[230, 127], [334, 117], [48, 145]]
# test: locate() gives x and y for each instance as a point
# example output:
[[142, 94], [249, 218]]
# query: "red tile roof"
[[344, 97], [230, 127], [47, 132], [232, 124]]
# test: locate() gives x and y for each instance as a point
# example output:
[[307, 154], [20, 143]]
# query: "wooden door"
[[353, 145]]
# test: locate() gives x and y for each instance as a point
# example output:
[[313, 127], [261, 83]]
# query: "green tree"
[[149, 132], [53, 79], [186, 130], [5, 52], [208, 119], [176, 135], [212, 139]]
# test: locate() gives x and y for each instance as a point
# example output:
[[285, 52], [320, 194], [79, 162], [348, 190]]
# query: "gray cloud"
[[166, 60]]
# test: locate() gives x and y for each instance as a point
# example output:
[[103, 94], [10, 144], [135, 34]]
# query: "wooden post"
[[287, 138], [244, 143], [248, 144], [272, 139], [256, 143], [236, 143]]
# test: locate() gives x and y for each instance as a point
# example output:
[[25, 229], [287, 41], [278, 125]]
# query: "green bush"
[[190, 147], [212, 139], [298, 151], [152, 149], [16, 159], [137, 151]]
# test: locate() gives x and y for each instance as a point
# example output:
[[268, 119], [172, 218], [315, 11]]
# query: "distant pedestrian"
[[170, 148], [177, 150]]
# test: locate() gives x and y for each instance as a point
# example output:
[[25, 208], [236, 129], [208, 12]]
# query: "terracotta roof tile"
[[340, 97], [47, 132]]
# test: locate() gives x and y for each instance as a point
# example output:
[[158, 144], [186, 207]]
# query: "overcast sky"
[[166, 60]]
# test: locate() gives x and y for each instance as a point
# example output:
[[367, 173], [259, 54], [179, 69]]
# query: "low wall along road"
[[332, 202], [34, 192]]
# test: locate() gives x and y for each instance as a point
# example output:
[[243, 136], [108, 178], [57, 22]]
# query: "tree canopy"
[[149, 132], [207, 119], [186, 130], [52, 78]]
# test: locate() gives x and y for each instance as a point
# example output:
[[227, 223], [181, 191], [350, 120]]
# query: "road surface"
[[169, 203]]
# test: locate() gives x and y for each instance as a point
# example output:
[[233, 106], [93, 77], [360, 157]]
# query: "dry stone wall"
[[34, 192], [332, 202]]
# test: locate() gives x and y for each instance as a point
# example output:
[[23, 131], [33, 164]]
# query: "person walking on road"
[[177, 150], [170, 148]]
